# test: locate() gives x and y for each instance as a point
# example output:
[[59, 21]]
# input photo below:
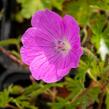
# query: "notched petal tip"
[[71, 26], [29, 32], [72, 20], [22, 53]]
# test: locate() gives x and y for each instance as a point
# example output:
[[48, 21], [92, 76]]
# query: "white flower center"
[[62, 46]]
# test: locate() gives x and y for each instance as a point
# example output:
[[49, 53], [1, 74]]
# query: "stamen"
[[62, 46]]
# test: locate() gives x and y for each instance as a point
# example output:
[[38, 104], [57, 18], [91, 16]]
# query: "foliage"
[[26, 10], [89, 84]]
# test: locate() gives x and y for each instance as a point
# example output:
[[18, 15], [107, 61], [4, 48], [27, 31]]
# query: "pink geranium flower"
[[51, 47]]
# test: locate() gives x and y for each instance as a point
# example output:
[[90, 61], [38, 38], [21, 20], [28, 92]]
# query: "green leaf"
[[26, 104], [89, 96], [74, 86], [107, 100], [106, 35], [103, 4], [4, 98], [100, 37], [58, 105], [57, 3], [9, 42], [97, 28], [80, 9], [15, 53], [16, 89], [93, 94], [28, 7]]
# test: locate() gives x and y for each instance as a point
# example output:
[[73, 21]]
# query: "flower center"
[[63, 46]]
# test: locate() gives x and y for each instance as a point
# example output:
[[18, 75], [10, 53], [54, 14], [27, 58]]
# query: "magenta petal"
[[71, 28], [75, 57], [34, 42], [42, 70], [35, 37], [28, 38], [63, 62], [62, 72], [29, 53], [48, 21], [71, 60]]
